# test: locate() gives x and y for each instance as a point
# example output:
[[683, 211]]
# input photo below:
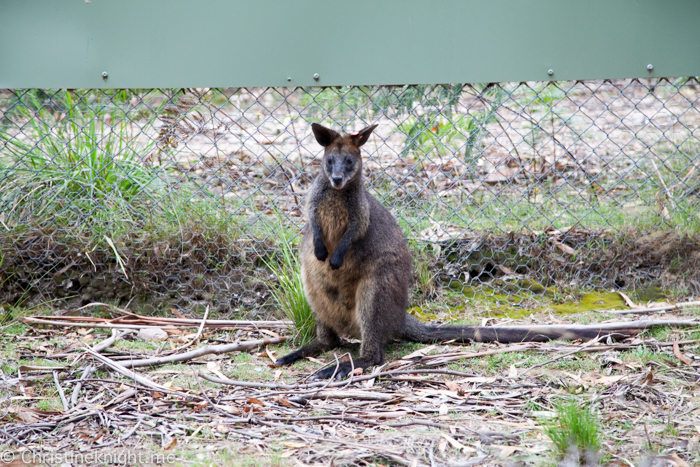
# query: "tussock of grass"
[[575, 432], [288, 292]]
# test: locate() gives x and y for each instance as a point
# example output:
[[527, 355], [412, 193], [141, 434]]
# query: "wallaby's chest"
[[332, 215]]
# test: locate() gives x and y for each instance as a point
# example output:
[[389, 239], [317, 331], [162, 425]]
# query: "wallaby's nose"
[[337, 181]]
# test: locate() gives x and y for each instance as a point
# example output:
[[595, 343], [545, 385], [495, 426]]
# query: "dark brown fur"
[[361, 290]]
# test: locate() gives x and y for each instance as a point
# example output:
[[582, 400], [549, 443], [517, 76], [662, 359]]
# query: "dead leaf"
[[506, 451], [284, 402], [452, 386], [679, 462], [604, 380], [292, 444], [512, 372], [457, 445], [679, 355], [222, 428], [565, 248], [226, 408], [419, 353], [442, 444], [270, 354], [255, 401], [648, 379], [198, 407], [171, 445], [627, 300]]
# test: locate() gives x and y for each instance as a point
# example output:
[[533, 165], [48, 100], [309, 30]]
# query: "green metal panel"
[[202, 43]]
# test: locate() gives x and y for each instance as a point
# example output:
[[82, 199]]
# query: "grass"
[[76, 162], [288, 291], [575, 432]]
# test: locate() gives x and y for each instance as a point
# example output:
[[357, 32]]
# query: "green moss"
[[528, 298], [590, 302], [649, 294]]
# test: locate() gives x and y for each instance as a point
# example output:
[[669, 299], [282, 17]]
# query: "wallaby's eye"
[[329, 162], [348, 162]]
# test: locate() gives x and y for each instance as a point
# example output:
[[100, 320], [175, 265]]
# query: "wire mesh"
[[178, 198]]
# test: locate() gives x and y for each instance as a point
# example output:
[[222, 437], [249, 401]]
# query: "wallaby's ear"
[[362, 136], [324, 136]]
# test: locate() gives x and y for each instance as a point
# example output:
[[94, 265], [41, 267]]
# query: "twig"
[[62, 394], [434, 360], [206, 350], [214, 406], [315, 385], [559, 357], [199, 333], [79, 385], [31, 319], [107, 343], [663, 184], [133, 375]]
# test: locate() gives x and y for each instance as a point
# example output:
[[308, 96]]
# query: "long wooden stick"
[[675, 306], [206, 350]]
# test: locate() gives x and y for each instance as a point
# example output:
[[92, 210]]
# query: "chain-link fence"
[[178, 198]]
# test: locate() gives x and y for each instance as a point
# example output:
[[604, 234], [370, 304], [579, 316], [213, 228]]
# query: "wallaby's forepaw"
[[320, 251], [336, 259], [344, 369]]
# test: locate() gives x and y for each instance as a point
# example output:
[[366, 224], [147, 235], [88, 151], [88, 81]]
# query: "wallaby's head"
[[341, 160]]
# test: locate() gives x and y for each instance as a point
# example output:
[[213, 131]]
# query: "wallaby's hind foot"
[[326, 339], [343, 368]]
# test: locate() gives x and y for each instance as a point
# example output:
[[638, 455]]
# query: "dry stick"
[[156, 322], [653, 309], [663, 184], [603, 348], [31, 319], [133, 375], [559, 357], [434, 360], [107, 343], [206, 350], [62, 394], [199, 333], [216, 407], [312, 386], [227, 322], [79, 385]]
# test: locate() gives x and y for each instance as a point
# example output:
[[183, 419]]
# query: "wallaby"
[[356, 268]]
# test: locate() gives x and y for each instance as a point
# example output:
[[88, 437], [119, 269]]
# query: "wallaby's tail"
[[416, 331]]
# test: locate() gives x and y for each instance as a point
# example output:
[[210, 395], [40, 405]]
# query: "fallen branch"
[[676, 306], [564, 355], [206, 350], [132, 375], [144, 322], [103, 325]]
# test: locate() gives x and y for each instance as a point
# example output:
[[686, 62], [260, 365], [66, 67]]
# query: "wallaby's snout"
[[341, 167]]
